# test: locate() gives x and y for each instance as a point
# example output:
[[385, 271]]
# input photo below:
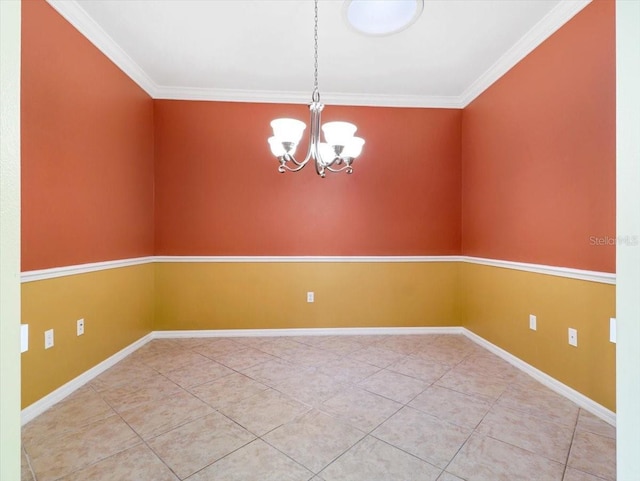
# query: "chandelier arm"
[[312, 151], [300, 164], [335, 160], [284, 167], [314, 131], [314, 137], [346, 167]]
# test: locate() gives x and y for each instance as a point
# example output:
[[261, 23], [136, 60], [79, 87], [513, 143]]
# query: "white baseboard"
[[65, 390], [319, 331], [580, 399], [59, 394]]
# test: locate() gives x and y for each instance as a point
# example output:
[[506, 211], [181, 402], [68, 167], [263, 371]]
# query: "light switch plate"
[[48, 339], [24, 337], [612, 330]]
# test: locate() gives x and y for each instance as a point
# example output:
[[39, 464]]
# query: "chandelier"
[[334, 155]]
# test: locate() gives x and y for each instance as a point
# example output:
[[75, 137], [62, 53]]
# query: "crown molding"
[[564, 11], [384, 100], [231, 95], [272, 96], [78, 17], [82, 21]]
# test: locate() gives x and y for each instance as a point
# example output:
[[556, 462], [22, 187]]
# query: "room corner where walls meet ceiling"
[[249, 51]]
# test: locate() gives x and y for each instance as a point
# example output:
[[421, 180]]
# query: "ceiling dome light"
[[382, 17]]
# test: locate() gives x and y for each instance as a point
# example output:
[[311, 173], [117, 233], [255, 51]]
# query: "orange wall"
[[87, 150], [218, 191], [538, 152]]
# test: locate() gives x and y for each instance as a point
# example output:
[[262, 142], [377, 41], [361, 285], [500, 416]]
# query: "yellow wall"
[[496, 304], [122, 305], [273, 295], [117, 306]]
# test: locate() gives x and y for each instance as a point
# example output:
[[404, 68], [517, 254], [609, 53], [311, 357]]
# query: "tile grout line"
[[340, 354], [403, 405], [256, 437], [182, 424], [407, 405], [285, 454], [219, 459], [115, 413], [33, 474], [495, 403], [573, 437], [475, 429], [143, 441]]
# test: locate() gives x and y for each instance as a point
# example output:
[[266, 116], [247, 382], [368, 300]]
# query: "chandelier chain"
[[316, 91]]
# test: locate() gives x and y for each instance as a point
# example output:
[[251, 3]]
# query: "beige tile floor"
[[342, 408]]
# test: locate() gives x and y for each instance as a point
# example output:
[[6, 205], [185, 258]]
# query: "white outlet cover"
[[533, 323], [48, 339], [573, 337], [80, 327], [310, 297]]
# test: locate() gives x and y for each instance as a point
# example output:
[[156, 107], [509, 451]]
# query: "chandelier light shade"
[[334, 155]]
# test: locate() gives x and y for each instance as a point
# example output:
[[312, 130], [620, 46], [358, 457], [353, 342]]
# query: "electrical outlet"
[[310, 297], [533, 322], [80, 327], [612, 330], [48, 339], [573, 337]]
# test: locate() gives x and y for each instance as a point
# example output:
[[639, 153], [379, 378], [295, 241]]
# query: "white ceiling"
[[262, 50]]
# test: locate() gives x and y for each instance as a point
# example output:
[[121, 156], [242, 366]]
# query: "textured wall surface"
[[539, 153], [218, 191], [87, 150], [525, 173], [87, 196]]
